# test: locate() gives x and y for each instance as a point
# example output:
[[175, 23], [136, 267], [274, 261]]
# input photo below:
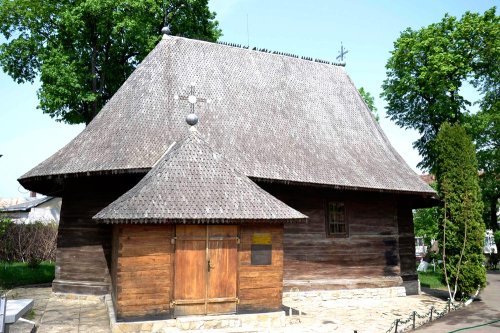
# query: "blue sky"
[[306, 28]]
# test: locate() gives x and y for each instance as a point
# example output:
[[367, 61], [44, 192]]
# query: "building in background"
[[29, 210]]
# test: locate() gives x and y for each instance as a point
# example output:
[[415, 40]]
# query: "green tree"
[[82, 51], [461, 228], [486, 131], [370, 102], [428, 68], [425, 221]]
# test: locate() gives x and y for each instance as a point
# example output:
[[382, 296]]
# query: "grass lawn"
[[431, 279], [19, 274]]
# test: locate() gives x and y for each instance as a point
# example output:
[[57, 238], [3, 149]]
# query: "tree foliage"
[[82, 51], [486, 130], [425, 222], [461, 228], [370, 102], [427, 71]]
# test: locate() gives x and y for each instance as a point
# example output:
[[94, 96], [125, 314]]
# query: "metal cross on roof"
[[342, 52], [192, 98]]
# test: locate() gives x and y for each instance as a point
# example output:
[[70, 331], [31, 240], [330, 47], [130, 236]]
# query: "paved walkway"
[[483, 315], [87, 314], [360, 315], [62, 314], [41, 295]]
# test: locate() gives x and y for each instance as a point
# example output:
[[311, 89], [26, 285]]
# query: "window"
[[336, 220]]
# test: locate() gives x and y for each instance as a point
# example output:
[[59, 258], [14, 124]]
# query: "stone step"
[[228, 330], [258, 322], [235, 323], [201, 323]]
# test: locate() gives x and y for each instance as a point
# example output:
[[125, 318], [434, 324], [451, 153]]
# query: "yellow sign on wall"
[[261, 238]]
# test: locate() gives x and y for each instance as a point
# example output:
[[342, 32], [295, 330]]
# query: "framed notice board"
[[261, 249]]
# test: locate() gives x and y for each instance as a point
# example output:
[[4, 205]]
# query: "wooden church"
[[286, 181]]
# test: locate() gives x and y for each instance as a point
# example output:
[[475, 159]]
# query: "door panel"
[[190, 270], [223, 256], [206, 265]]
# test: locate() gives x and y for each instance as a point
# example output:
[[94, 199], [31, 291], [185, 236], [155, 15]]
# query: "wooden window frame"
[[329, 221]]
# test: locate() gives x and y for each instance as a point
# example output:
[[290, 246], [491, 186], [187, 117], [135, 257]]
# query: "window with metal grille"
[[336, 220]]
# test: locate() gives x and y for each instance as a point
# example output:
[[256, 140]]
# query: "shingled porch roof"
[[194, 184], [276, 118]]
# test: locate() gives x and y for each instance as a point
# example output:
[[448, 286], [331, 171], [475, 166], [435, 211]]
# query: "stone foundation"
[[327, 295], [343, 284], [79, 297], [258, 322], [412, 287]]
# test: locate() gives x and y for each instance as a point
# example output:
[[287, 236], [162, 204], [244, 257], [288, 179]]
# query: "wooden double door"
[[206, 267]]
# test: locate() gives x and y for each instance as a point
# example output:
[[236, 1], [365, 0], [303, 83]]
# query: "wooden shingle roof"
[[274, 117], [194, 184]]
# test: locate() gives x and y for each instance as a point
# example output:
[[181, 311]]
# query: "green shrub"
[[4, 225], [30, 243]]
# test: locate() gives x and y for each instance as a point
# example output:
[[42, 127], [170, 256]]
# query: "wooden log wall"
[[260, 286], [368, 258], [83, 246], [143, 271], [406, 242]]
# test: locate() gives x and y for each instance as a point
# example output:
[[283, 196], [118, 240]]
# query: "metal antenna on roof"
[[168, 12], [166, 28], [248, 34], [342, 53], [164, 13]]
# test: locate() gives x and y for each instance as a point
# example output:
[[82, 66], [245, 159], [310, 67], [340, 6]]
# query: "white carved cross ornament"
[[192, 98]]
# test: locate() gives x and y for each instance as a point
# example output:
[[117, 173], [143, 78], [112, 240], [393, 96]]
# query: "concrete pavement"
[[71, 313], [483, 315], [55, 313]]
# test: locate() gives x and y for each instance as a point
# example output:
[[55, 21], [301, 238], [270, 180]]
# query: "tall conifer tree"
[[461, 226]]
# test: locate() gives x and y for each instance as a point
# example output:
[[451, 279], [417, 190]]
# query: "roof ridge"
[[173, 149], [197, 135], [284, 54]]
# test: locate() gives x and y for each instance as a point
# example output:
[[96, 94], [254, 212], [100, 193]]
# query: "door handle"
[[210, 265]]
